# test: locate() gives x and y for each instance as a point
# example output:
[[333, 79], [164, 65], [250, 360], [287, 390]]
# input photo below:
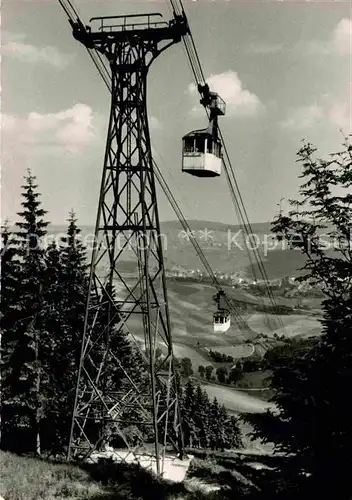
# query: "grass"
[[236, 351], [26, 478], [256, 379], [235, 400], [295, 324]]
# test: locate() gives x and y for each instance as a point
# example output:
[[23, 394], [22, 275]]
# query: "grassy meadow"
[[24, 478]]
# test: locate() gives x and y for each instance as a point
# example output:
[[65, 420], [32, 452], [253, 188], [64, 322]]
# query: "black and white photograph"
[[176, 250]]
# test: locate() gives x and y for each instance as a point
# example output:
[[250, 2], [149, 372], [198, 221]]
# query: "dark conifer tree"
[[22, 402], [75, 285], [201, 416], [187, 408], [207, 424], [233, 432], [66, 287], [223, 438], [310, 422], [9, 302], [214, 421], [54, 357], [9, 274]]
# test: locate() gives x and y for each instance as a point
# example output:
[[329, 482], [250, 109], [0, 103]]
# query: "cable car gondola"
[[222, 317], [201, 154], [201, 149], [221, 321]]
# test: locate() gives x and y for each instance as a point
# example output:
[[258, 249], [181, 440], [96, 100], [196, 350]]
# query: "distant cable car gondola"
[[222, 321], [201, 149], [222, 317]]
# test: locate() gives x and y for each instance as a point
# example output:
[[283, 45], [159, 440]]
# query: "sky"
[[283, 68]]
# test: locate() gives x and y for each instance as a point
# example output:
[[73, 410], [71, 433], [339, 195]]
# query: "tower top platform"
[[149, 26], [129, 22]]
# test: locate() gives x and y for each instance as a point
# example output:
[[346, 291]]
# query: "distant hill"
[[281, 263], [215, 239], [259, 227]]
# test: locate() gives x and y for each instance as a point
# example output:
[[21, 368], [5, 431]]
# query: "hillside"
[[260, 227], [208, 478], [225, 247], [25, 478], [191, 303]]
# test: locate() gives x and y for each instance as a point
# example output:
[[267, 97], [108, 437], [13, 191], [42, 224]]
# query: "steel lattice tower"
[[127, 230]]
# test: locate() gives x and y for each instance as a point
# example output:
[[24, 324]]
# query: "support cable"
[[194, 63], [196, 246], [239, 206]]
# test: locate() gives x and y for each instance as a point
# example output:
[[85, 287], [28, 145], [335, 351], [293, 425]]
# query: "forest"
[[44, 290]]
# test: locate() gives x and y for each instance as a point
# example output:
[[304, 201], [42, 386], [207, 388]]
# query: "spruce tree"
[[9, 298], [22, 403], [75, 284], [310, 422], [9, 273], [233, 432], [207, 424], [187, 408], [66, 286], [201, 416], [214, 421], [54, 357], [9, 301]]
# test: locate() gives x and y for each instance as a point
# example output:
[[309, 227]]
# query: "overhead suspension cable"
[[239, 206], [171, 199], [73, 15], [195, 244], [194, 60]]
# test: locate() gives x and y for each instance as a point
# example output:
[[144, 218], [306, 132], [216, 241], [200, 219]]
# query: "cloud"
[[342, 37], [14, 46], [340, 116], [67, 130], [303, 118], [340, 111], [339, 42], [315, 48], [10, 36], [264, 48], [62, 148], [154, 123], [335, 111], [239, 101]]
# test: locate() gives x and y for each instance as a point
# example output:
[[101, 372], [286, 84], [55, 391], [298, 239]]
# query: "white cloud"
[[342, 37], [154, 123], [63, 149], [67, 130], [303, 118], [239, 101], [10, 36], [264, 48], [335, 111], [315, 48], [340, 111], [339, 42], [340, 116], [14, 46]]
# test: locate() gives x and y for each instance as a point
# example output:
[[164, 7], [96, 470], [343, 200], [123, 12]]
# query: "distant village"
[[239, 280]]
